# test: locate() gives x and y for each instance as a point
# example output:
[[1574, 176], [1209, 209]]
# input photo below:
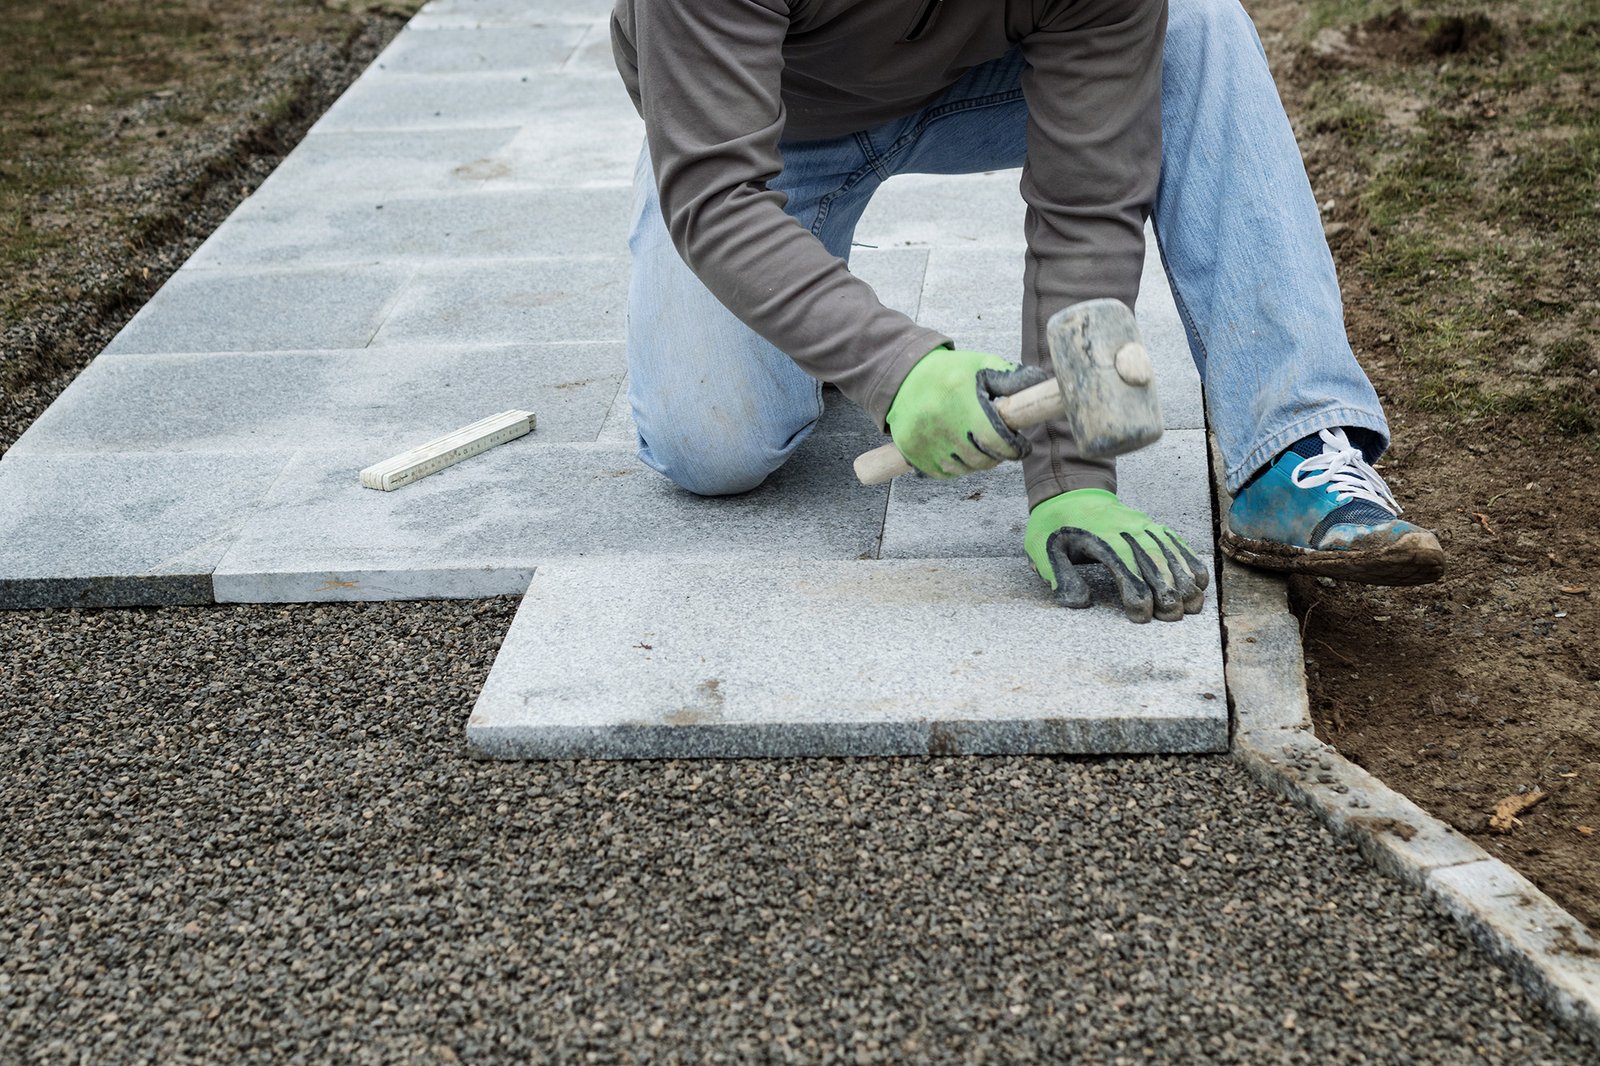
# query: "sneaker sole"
[[1414, 559]]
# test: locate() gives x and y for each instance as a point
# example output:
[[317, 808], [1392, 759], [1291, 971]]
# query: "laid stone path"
[[449, 241]]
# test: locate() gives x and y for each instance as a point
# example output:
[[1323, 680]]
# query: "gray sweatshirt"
[[720, 83]]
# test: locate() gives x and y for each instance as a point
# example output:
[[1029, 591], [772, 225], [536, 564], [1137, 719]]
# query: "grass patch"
[[100, 96], [1331, 109], [1568, 353], [66, 68], [1472, 145], [1433, 175], [1338, 14], [1566, 175]]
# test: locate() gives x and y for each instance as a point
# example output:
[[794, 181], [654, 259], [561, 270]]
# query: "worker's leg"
[[1241, 238], [717, 406], [1295, 417]]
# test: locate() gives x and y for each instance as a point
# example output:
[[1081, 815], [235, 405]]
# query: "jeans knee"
[[1201, 25], [714, 475], [711, 464]]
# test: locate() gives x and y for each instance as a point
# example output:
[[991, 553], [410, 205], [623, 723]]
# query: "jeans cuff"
[[1269, 446]]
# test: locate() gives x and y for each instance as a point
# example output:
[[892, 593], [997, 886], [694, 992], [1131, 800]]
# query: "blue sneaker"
[[1320, 509]]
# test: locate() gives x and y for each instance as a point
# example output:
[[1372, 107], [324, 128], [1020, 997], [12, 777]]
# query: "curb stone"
[[1552, 955]]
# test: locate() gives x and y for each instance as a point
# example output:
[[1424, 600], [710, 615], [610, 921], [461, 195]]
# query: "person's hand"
[[943, 418], [1155, 571]]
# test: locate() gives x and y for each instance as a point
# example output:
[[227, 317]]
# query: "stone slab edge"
[[1552, 955], [944, 737], [92, 593]]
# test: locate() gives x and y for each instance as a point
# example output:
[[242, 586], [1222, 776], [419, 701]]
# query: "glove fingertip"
[[1077, 599], [1192, 577], [1202, 577], [1071, 590], [1167, 605]]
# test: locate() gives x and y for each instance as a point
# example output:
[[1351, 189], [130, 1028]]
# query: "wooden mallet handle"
[[1033, 405]]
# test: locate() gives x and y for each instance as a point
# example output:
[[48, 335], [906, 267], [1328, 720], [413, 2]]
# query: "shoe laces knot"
[[1345, 472]]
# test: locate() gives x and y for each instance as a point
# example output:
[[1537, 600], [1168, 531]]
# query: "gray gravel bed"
[[254, 834]]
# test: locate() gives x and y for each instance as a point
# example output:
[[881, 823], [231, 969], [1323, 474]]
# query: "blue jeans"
[[719, 408]]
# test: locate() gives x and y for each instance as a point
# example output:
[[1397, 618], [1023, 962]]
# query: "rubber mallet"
[[1104, 388]]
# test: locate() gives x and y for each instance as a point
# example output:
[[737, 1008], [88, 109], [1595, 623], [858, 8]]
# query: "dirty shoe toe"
[[1321, 509]]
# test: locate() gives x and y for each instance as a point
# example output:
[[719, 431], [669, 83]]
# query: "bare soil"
[[1456, 157], [1456, 160]]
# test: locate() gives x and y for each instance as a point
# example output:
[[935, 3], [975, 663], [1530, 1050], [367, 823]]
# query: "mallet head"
[[1107, 382]]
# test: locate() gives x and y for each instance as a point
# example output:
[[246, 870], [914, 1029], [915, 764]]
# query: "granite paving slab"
[[567, 154], [963, 211], [422, 49], [508, 12], [619, 426], [986, 514], [839, 416], [258, 310], [123, 529], [242, 401], [593, 54], [895, 274], [372, 165], [510, 301], [902, 657], [320, 535], [478, 224], [565, 109], [977, 291]]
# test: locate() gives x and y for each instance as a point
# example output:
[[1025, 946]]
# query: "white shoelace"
[[1344, 471]]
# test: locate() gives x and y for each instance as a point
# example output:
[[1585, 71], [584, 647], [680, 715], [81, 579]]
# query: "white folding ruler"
[[434, 456]]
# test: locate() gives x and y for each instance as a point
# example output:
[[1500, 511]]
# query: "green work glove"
[[1154, 569], [943, 418]]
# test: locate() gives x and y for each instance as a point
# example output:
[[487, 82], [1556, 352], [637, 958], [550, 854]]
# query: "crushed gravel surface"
[[254, 834]]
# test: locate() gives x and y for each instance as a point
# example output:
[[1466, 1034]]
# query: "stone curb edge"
[[1552, 955]]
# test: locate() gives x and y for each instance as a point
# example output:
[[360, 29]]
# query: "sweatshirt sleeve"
[[710, 74], [1093, 88]]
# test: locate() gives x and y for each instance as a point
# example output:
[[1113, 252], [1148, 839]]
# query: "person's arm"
[[1093, 87], [709, 73]]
